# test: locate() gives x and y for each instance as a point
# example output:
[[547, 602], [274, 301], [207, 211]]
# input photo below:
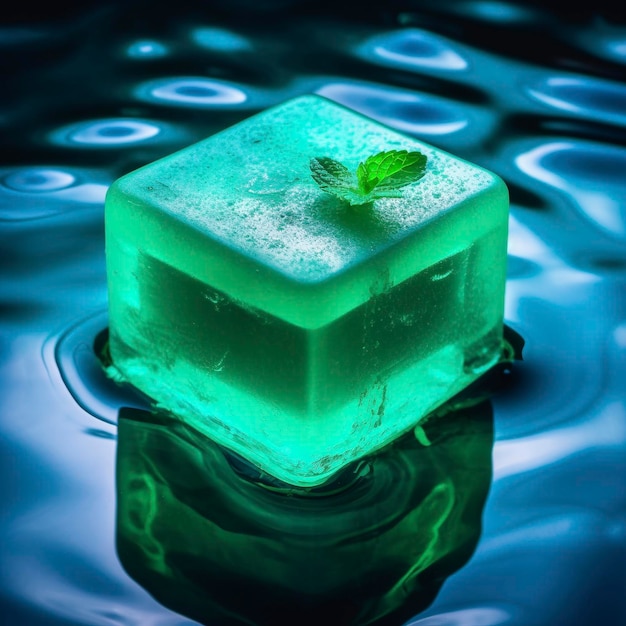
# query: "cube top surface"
[[250, 188]]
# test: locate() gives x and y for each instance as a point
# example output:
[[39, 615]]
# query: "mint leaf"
[[335, 178], [330, 174], [380, 176], [391, 170]]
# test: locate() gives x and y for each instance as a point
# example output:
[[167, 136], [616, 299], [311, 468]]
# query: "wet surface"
[[93, 92]]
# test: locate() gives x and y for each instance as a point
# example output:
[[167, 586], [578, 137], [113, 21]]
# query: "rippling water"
[[512, 511]]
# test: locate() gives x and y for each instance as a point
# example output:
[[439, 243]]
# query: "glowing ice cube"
[[288, 326]]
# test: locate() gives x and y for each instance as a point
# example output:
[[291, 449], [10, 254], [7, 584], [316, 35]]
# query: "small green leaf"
[[330, 174], [380, 176], [391, 170], [361, 175], [336, 179]]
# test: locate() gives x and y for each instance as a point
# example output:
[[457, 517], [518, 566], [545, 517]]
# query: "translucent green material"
[[294, 329], [208, 542]]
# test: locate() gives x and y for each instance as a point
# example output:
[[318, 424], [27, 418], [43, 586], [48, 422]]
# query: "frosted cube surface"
[[296, 330]]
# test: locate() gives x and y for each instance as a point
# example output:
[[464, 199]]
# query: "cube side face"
[[309, 375], [414, 345]]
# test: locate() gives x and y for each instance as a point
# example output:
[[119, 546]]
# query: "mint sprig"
[[380, 176]]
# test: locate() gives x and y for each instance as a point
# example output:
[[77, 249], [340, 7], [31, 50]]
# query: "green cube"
[[299, 331]]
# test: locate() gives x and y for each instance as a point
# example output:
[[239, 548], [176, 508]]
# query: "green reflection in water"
[[209, 538]]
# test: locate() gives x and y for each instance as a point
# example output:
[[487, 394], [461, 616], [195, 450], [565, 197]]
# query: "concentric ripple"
[[146, 49], [404, 110], [33, 179], [75, 354], [412, 48], [34, 192], [106, 133], [607, 43], [601, 100], [495, 11], [477, 616], [192, 92], [220, 39], [591, 174]]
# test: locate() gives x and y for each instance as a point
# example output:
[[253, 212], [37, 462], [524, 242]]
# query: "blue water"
[[538, 97]]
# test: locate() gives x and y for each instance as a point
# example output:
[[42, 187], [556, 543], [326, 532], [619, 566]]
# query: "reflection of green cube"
[[298, 331], [373, 548]]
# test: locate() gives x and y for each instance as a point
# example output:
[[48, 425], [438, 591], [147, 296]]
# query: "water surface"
[[514, 514]]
